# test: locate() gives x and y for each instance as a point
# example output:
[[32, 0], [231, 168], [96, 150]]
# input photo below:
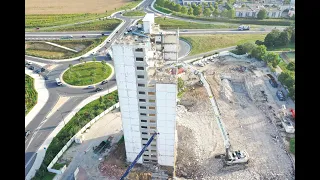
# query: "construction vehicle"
[[138, 156], [285, 120], [231, 157]]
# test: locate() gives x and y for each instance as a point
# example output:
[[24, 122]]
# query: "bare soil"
[[71, 6]]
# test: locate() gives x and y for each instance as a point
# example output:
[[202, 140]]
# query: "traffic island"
[[87, 73]]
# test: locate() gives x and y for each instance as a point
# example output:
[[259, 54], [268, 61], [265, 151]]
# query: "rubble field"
[[247, 108]]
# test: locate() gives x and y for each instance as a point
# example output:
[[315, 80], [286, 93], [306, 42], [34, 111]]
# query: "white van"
[[58, 82]]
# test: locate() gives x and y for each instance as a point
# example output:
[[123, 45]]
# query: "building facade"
[[147, 92]]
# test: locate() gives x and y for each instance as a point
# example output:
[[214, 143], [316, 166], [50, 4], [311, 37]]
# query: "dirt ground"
[[246, 121], [71, 6]]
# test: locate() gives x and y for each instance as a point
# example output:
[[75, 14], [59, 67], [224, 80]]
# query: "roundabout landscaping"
[[87, 73]]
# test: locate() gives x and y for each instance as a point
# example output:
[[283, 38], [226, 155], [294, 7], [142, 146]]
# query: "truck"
[[58, 82], [243, 27]]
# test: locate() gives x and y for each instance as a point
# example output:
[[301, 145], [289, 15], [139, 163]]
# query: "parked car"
[[280, 95], [98, 89], [90, 87], [29, 63], [31, 67], [27, 133], [104, 82], [117, 31], [273, 83], [37, 71], [42, 69]]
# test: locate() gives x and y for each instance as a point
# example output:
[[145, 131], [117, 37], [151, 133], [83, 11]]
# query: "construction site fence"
[[65, 147]]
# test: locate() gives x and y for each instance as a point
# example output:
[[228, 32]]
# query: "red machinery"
[[293, 113]]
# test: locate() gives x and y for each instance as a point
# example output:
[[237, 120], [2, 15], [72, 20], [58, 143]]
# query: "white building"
[[197, 2], [251, 10], [147, 92]]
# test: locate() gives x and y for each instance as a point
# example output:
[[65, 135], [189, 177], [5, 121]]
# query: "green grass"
[[103, 25], [208, 42], [291, 46], [31, 94], [161, 9], [43, 50], [134, 13], [58, 166], [87, 73], [283, 65], [292, 145], [48, 20], [49, 176], [85, 115], [173, 24]]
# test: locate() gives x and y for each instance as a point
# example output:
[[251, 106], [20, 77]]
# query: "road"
[[41, 126]]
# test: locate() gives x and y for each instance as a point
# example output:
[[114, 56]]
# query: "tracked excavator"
[[230, 157]]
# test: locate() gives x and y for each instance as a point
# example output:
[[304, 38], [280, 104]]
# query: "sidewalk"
[[82, 156], [41, 151], [43, 95]]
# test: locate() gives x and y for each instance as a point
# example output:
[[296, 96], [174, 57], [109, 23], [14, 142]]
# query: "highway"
[[41, 126]]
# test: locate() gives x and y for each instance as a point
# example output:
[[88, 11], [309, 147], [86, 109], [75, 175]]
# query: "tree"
[[258, 42], [231, 1], [211, 8], [292, 92], [291, 66], [272, 58], [293, 36], [231, 13], [216, 12], [284, 39], [190, 11], [166, 4], [259, 51], [271, 38], [160, 3], [207, 12], [248, 47], [177, 8], [184, 10], [224, 13], [197, 11], [262, 14]]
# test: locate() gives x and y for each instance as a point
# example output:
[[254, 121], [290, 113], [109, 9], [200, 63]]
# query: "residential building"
[[147, 91]]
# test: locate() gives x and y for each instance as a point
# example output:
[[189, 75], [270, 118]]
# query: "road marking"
[[29, 160]]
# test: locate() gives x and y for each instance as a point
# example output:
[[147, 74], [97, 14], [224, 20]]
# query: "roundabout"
[[87, 73]]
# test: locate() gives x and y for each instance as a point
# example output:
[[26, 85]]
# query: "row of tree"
[[276, 38], [206, 9]]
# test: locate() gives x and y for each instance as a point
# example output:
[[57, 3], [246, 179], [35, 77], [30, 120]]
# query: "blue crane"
[[138, 156]]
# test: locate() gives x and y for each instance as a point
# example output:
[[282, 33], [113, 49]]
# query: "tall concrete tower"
[[147, 91]]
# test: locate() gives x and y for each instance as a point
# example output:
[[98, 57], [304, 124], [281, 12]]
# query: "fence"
[[55, 159]]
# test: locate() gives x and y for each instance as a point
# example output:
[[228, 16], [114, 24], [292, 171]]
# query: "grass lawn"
[[48, 176], [290, 46], [292, 145], [208, 42], [31, 94], [87, 73], [102, 25], [84, 115], [57, 166], [134, 13], [173, 24], [44, 50]]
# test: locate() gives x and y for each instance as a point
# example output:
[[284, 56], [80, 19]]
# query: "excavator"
[[231, 157]]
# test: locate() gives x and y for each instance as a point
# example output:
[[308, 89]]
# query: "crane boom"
[[138, 156]]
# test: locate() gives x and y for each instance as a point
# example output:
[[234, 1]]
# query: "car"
[[280, 95], [120, 12], [104, 82], [31, 67], [117, 31], [102, 34], [37, 28], [29, 63], [37, 71], [90, 87], [27, 133], [99, 89], [83, 36], [109, 41], [42, 69], [46, 78], [273, 83], [185, 30]]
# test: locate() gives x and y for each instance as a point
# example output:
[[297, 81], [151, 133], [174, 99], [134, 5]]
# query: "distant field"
[[208, 42], [71, 6]]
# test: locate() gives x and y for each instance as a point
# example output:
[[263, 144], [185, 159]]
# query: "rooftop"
[[148, 17]]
